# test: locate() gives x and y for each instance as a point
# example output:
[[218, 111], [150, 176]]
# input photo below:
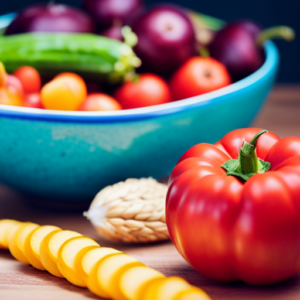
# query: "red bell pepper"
[[233, 208]]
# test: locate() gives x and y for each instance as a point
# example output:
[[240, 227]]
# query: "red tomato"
[[33, 100], [229, 229], [30, 79], [100, 102], [198, 75], [149, 90]]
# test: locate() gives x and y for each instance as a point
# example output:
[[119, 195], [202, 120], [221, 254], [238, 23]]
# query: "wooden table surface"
[[281, 114]]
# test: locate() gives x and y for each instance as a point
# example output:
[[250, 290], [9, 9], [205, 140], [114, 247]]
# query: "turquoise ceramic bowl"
[[67, 157]]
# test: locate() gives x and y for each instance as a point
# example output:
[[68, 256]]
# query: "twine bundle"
[[132, 211]]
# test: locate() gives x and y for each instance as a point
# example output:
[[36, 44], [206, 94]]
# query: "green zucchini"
[[90, 55]]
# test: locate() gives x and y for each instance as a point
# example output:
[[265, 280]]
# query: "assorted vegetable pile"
[[106, 272], [233, 209], [118, 55]]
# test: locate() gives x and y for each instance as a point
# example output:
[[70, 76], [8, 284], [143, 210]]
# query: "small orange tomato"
[[30, 79], [8, 96], [198, 75], [68, 74], [65, 92], [76, 83], [100, 102]]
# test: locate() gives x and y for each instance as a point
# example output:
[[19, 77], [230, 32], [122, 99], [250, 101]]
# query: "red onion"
[[51, 18], [114, 32], [106, 12], [166, 39]]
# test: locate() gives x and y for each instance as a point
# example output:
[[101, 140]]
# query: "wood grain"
[[281, 114]]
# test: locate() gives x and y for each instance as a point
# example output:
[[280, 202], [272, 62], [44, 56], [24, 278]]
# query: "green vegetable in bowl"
[[86, 54]]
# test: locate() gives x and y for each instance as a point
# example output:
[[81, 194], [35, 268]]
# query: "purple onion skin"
[[166, 39], [252, 27], [106, 12], [51, 18], [235, 47], [16, 25], [114, 32]]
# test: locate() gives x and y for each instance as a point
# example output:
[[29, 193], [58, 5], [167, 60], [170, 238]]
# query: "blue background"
[[266, 12]]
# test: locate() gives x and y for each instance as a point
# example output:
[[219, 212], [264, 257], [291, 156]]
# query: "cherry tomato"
[[14, 84], [69, 75], [76, 83], [65, 92], [30, 79], [198, 75], [33, 100], [8, 95], [100, 102], [148, 90]]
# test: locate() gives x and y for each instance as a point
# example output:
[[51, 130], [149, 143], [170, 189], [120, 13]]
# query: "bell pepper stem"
[[283, 32], [248, 157], [247, 164]]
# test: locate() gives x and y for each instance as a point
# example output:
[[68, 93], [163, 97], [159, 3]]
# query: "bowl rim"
[[270, 63]]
